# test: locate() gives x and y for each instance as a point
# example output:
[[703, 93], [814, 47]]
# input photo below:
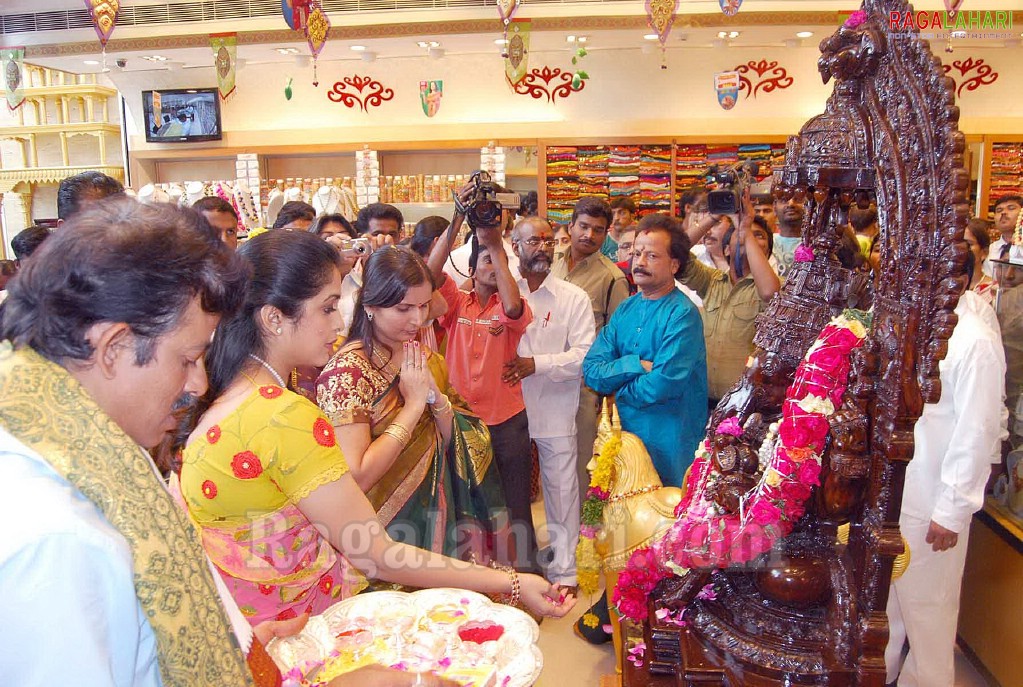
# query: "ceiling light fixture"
[[804, 34], [91, 63], [733, 34], [570, 39], [651, 37], [155, 58], [722, 34], [428, 44], [287, 51], [581, 39], [501, 41], [359, 48]]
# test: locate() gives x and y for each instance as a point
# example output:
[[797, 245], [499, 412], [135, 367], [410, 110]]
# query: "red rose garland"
[[705, 537]]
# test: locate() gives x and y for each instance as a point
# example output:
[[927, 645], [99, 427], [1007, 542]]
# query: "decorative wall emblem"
[[369, 92], [978, 73], [538, 83], [769, 77], [430, 93], [726, 85], [11, 59]]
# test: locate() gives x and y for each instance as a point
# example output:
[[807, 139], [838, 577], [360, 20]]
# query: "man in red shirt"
[[484, 327]]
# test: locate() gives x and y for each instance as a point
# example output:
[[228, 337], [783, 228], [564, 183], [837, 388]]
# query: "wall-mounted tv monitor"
[[182, 116]]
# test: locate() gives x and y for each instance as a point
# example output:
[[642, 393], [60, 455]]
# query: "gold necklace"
[[386, 365]]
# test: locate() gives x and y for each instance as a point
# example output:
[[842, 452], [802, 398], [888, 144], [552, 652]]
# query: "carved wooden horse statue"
[[812, 611]]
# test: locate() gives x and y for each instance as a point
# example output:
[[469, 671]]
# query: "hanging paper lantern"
[[104, 17], [316, 31], [296, 13], [225, 56], [516, 64], [507, 9], [730, 8], [660, 14], [11, 59]]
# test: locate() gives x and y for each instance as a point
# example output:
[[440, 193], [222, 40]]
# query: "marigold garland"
[[703, 536], [587, 562]]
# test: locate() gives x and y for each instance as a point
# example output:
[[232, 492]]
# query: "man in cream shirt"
[[549, 366]]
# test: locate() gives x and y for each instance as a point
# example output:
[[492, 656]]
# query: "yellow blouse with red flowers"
[[242, 483]]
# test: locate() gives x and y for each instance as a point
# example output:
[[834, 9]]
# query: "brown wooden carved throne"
[[812, 611]]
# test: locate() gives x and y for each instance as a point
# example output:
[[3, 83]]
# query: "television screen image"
[[182, 115]]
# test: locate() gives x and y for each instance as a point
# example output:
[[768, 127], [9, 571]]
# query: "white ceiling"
[[384, 48]]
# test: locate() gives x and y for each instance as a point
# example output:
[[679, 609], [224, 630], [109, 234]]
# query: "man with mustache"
[[549, 365], [585, 266], [1007, 216], [790, 232], [651, 356], [91, 541]]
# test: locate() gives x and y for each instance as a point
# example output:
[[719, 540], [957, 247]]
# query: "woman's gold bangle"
[[443, 408], [398, 432]]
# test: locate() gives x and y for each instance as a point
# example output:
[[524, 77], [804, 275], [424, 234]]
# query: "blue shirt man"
[[651, 355]]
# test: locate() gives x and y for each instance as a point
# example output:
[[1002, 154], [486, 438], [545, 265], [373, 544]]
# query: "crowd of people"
[[327, 377]]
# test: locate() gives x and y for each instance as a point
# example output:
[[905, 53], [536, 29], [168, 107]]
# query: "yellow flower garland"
[[587, 562]]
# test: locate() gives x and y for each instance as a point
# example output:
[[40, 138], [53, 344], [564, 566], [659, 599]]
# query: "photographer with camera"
[[484, 328], [733, 299]]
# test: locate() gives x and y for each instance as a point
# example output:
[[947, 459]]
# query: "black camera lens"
[[723, 202], [485, 213]]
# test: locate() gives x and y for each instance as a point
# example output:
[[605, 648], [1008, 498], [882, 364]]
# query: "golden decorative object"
[[901, 561], [639, 507], [104, 16], [661, 15], [317, 28]]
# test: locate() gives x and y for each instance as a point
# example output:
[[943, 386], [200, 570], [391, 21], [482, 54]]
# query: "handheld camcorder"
[[483, 208], [732, 181]]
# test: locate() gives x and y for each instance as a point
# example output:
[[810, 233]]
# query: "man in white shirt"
[[956, 439], [549, 365], [1007, 211]]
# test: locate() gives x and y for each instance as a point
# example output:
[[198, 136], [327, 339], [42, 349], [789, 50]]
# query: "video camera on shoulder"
[[732, 181], [483, 208]]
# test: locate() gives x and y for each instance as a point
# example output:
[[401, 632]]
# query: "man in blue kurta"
[[651, 355]]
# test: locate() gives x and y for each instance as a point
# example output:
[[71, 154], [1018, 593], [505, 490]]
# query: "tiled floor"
[[571, 662]]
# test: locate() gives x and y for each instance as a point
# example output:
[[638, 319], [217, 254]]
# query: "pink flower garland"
[[856, 19], [703, 536], [803, 253]]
